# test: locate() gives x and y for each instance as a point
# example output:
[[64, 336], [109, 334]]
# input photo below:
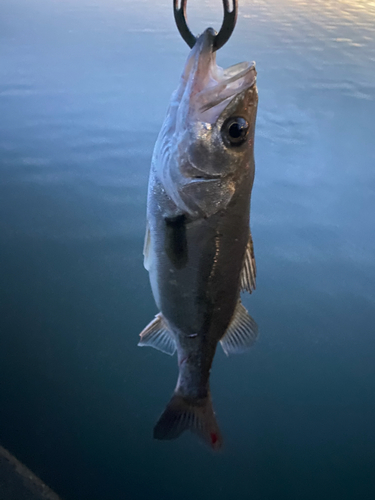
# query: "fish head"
[[205, 146]]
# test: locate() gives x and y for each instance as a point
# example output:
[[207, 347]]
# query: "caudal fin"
[[183, 414]]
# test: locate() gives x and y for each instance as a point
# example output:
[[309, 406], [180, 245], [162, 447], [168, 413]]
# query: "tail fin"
[[183, 414]]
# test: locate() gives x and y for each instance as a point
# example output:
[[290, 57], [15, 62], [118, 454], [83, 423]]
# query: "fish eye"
[[234, 131]]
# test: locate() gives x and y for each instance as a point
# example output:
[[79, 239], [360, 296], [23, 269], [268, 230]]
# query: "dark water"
[[84, 86]]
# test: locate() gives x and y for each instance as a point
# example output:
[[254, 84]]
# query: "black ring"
[[229, 22]]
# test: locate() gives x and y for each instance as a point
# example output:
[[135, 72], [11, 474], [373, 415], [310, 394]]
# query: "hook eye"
[[225, 32]]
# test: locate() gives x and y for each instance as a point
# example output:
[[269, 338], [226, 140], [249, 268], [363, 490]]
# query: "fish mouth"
[[211, 87]]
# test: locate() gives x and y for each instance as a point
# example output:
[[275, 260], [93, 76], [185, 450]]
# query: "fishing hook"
[[229, 22]]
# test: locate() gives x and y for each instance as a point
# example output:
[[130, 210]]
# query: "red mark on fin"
[[214, 438]]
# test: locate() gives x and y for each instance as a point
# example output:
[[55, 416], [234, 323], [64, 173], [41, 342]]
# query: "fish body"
[[198, 247]]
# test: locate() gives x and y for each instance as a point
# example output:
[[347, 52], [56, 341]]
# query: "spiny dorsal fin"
[[157, 335], [147, 249], [249, 270], [241, 333]]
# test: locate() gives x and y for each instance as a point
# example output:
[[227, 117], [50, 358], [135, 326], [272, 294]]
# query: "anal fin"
[[157, 335], [249, 270], [241, 333]]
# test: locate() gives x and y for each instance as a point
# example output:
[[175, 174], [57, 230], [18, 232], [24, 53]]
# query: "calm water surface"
[[84, 87]]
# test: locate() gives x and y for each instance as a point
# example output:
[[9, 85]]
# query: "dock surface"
[[17, 482]]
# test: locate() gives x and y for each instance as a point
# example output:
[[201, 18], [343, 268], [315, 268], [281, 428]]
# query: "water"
[[83, 91]]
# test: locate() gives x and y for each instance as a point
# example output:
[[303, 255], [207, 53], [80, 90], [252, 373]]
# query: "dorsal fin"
[[241, 333], [249, 270], [157, 335]]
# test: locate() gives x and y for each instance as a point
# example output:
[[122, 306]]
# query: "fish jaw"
[[197, 169]]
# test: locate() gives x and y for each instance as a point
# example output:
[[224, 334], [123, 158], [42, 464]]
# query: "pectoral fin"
[[249, 270], [157, 335], [241, 333], [147, 249]]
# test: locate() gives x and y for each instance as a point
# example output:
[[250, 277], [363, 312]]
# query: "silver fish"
[[198, 246]]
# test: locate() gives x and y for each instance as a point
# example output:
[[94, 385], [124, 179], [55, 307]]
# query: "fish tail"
[[183, 414]]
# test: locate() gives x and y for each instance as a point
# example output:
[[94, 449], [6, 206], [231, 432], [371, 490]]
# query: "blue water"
[[84, 87]]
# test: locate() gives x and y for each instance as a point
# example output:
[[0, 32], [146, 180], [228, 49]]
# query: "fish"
[[198, 247]]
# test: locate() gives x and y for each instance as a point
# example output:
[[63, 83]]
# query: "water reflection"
[[83, 88]]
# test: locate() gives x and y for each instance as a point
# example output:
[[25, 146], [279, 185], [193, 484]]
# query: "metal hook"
[[229, 22]]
